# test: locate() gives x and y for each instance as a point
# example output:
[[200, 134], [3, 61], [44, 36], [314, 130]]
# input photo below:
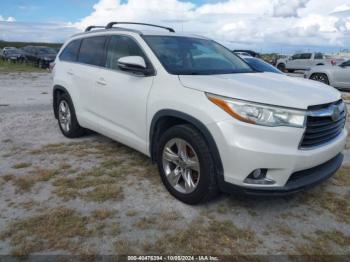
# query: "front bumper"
[[298, 181], [244, 148]]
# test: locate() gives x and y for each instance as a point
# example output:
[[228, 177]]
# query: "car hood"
[[267, 88], [48, 57]]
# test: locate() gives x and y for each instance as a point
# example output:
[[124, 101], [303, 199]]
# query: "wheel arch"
[[57, 90], [167, 118]]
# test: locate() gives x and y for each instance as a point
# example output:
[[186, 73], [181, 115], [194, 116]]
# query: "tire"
[[66, 117], [320, 77], [281, 67], [204, 180], [291, 70]]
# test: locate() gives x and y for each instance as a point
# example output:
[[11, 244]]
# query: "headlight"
[[260, 114]]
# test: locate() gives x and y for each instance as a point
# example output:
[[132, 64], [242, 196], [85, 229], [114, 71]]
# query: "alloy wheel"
[[64, 116], [181, 165]]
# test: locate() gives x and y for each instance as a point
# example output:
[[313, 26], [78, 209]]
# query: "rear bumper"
[[298, 181]]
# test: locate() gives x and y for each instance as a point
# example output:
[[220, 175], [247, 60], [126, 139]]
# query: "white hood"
[[267, 88]]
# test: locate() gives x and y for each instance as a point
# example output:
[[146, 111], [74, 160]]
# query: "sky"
[[284, 26]]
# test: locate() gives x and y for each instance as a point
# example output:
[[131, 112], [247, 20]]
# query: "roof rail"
[[110, 25], [92, 27]]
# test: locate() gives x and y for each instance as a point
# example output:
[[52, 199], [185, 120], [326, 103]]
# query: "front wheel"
[[186, 165]]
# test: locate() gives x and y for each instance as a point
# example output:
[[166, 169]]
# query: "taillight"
[[51, 66]]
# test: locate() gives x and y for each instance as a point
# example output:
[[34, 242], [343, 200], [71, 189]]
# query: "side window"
[[92, 51], [318, 56], [305, 56], [70, 52], [296, 56], [120, 46]]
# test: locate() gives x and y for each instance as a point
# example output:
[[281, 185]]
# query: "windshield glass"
[[194, 56], [46, 51], [261, 66]]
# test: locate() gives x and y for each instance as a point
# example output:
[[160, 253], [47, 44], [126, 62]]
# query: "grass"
[[7, 67], [162, 221], [21, 165], [101, 214], [212, 238], [102, 193], [322, 242], [342, 177], [52, 230], [25, 183]]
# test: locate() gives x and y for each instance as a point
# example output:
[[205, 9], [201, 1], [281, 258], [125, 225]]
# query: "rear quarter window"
[[70, 52], [92, 51]]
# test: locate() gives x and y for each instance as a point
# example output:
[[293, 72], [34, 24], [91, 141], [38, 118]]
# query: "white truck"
[[304, 61]]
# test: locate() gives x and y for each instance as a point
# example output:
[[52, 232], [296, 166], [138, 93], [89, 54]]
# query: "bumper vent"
[[323, 124]]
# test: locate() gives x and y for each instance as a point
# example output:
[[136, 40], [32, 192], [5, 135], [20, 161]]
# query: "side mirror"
[[134, 64]]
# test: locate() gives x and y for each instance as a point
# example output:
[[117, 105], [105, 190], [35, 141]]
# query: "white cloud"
[[8, 19], [306, 22]]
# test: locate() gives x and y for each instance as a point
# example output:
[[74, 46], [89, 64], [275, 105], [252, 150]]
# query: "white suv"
[[208, 120]]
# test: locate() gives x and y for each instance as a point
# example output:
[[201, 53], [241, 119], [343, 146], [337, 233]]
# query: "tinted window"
[[120, 46], [70, 53], [195, 56], [296, 56], [318, 56], [92, 51], [305, 56], [260, 65]]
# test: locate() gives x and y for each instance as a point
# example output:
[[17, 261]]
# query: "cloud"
[[296, 22], [8, 19], [288, 8], [37, 32]]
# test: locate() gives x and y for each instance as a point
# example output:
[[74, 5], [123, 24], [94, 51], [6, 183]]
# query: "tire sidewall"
[[205, 163], [74, 123]]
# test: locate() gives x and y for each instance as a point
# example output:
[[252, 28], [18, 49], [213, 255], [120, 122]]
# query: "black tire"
[[320, 77], [291, 70], [75, 129], [207, 185], [281, 67]]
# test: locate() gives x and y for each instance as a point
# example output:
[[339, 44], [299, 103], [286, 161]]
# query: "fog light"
[[258, 176]]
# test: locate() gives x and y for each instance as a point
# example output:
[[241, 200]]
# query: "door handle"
[[101, 82]]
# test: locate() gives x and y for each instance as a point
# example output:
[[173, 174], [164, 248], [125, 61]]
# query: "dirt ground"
[[95, 196]]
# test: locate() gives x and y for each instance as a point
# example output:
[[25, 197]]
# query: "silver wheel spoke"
[[64, 116], [170, 156], [189, 184], [181, 147], [192, 163], [174, 177]]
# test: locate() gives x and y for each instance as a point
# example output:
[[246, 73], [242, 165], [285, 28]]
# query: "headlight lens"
[[260, 114]]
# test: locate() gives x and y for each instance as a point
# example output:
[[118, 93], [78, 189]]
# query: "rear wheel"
[[186, 165], [67, 119], [320, 78], [281, 67]]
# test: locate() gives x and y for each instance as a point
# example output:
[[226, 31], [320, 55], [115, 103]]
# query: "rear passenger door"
[[122, 96]]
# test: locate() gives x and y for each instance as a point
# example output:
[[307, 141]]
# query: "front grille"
[[322, 126]]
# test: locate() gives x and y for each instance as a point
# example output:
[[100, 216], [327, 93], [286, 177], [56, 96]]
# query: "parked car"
[[41, 56], [13, 55], [209, 121], [244, 52], [304, 61], [260, 65], [337, 76]]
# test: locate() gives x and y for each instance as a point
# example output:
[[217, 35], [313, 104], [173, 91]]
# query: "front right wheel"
[[186, 165]]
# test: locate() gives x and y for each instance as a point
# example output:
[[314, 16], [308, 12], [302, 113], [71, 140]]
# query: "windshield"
[[46, 51], [194, 56], [13, 51], [261, 66]]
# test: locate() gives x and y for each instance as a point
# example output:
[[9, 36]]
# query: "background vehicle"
[[244, 52], [13, 55], [260, 65], [199, 111], [304, 61], [335, 75], [41, 56]]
